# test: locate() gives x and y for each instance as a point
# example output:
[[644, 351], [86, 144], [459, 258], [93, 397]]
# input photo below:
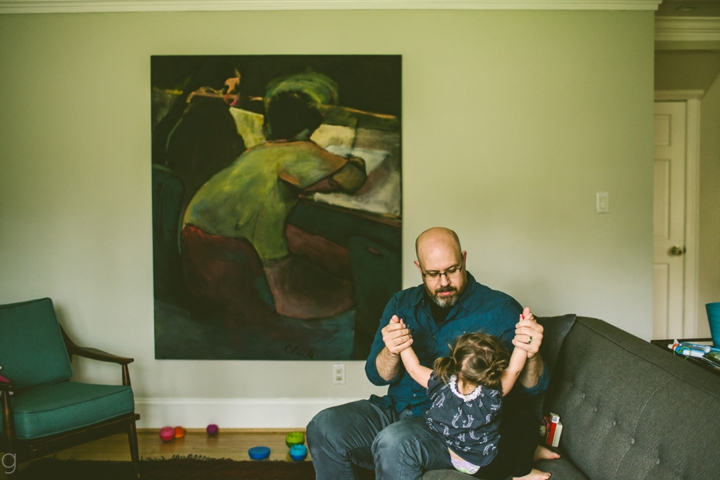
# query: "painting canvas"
[[277, 204]]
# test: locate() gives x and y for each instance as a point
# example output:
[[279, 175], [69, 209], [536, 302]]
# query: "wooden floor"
[[233, 444]]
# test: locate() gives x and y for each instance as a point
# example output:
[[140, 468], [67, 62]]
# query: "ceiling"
[[689, 8]]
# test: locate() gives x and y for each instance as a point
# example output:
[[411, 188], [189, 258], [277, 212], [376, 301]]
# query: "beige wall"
[[686, 70], [512, 122], [709, 211]]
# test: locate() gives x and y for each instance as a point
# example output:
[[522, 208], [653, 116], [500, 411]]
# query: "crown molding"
[[687, 29], [106, 6], [678, 95]]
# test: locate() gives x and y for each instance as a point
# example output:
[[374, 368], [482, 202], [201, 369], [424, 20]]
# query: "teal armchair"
[[42, 410]]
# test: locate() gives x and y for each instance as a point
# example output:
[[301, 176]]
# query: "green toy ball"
[[294, 438]]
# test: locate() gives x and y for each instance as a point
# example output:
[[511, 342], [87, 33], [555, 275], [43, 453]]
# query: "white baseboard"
[[231, 412]]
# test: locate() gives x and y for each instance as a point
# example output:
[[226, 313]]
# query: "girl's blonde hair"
[[477, 358]]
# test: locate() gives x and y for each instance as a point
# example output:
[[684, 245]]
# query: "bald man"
[[388, 434]]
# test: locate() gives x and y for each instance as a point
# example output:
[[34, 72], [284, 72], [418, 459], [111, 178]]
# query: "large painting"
[[277, 220]]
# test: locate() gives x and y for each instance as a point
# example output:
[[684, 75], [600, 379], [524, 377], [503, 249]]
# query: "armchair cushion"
[[32, 347], [51, 409]]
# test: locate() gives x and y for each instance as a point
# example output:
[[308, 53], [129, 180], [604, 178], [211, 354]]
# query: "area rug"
[[185, 468]]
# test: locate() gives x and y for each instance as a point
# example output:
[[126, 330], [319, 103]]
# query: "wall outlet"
[[339, 373]]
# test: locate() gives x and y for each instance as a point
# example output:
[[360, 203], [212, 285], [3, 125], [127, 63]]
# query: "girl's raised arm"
[[512, 372], [419, 373], [516, 364]]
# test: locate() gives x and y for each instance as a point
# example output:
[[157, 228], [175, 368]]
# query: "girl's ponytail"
[[477, 358], [444, 368]]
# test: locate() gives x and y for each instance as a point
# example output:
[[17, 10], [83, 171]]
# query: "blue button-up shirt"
[[478, 309]]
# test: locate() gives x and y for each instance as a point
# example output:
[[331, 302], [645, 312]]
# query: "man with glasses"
[[388, 434]]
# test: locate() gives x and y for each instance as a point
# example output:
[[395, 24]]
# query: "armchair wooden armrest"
[[95, 354], [6, 411], [92, 353]]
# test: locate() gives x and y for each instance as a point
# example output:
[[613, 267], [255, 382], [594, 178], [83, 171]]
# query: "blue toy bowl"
[[259, 453], [298, 452], [713, 313]]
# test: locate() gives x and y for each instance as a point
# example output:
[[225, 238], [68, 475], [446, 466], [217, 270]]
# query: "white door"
[[669, 220]]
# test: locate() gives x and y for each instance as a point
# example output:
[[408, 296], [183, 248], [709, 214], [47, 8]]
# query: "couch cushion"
[[561, 469], [678, 432], [555, 331], [630, 410], [32, 350], [57, 408], [445, 475]]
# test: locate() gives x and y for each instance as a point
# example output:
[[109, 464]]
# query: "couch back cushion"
[[554, 333], [32, 350], [630, 410]]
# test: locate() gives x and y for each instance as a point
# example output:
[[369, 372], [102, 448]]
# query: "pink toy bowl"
[[167, 434]]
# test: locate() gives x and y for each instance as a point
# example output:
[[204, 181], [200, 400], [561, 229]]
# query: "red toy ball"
[[212, 429], [167, 434], [179, 432]]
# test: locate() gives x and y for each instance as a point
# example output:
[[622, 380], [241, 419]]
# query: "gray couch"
[[629, 410]]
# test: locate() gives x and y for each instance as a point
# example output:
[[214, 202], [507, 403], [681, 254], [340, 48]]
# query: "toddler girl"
[[467, 390]]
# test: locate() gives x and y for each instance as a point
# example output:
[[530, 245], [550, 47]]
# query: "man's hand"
[[396, 336], [528, 334], [528, 337]]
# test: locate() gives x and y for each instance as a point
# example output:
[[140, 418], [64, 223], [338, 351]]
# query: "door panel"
[[669, 219]]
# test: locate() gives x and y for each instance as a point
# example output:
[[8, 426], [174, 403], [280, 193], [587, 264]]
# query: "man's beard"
[[446, 302]]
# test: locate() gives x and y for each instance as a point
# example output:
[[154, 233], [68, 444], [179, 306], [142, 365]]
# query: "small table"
[[701, 341]]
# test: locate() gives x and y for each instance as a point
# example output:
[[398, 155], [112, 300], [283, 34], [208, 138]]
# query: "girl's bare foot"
[[543, 453], [534, 475]]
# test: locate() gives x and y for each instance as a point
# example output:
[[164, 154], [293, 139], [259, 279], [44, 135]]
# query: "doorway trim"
[[692, 200]]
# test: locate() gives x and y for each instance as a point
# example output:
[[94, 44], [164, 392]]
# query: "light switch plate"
[[602, 202], [338, 373]]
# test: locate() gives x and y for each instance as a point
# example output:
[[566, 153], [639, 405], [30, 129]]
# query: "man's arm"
[[383, 364], [387, 364], [528, 337], [530, 376], [397, 338]]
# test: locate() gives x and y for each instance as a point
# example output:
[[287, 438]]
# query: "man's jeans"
[[361, 434]]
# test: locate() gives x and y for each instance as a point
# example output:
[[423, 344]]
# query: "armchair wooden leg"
[[132, 439]]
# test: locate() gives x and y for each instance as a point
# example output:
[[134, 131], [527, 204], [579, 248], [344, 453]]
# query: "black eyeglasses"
[[448, 272]]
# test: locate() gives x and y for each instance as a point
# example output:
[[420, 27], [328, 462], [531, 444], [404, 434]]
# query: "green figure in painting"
[[244, 208]]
